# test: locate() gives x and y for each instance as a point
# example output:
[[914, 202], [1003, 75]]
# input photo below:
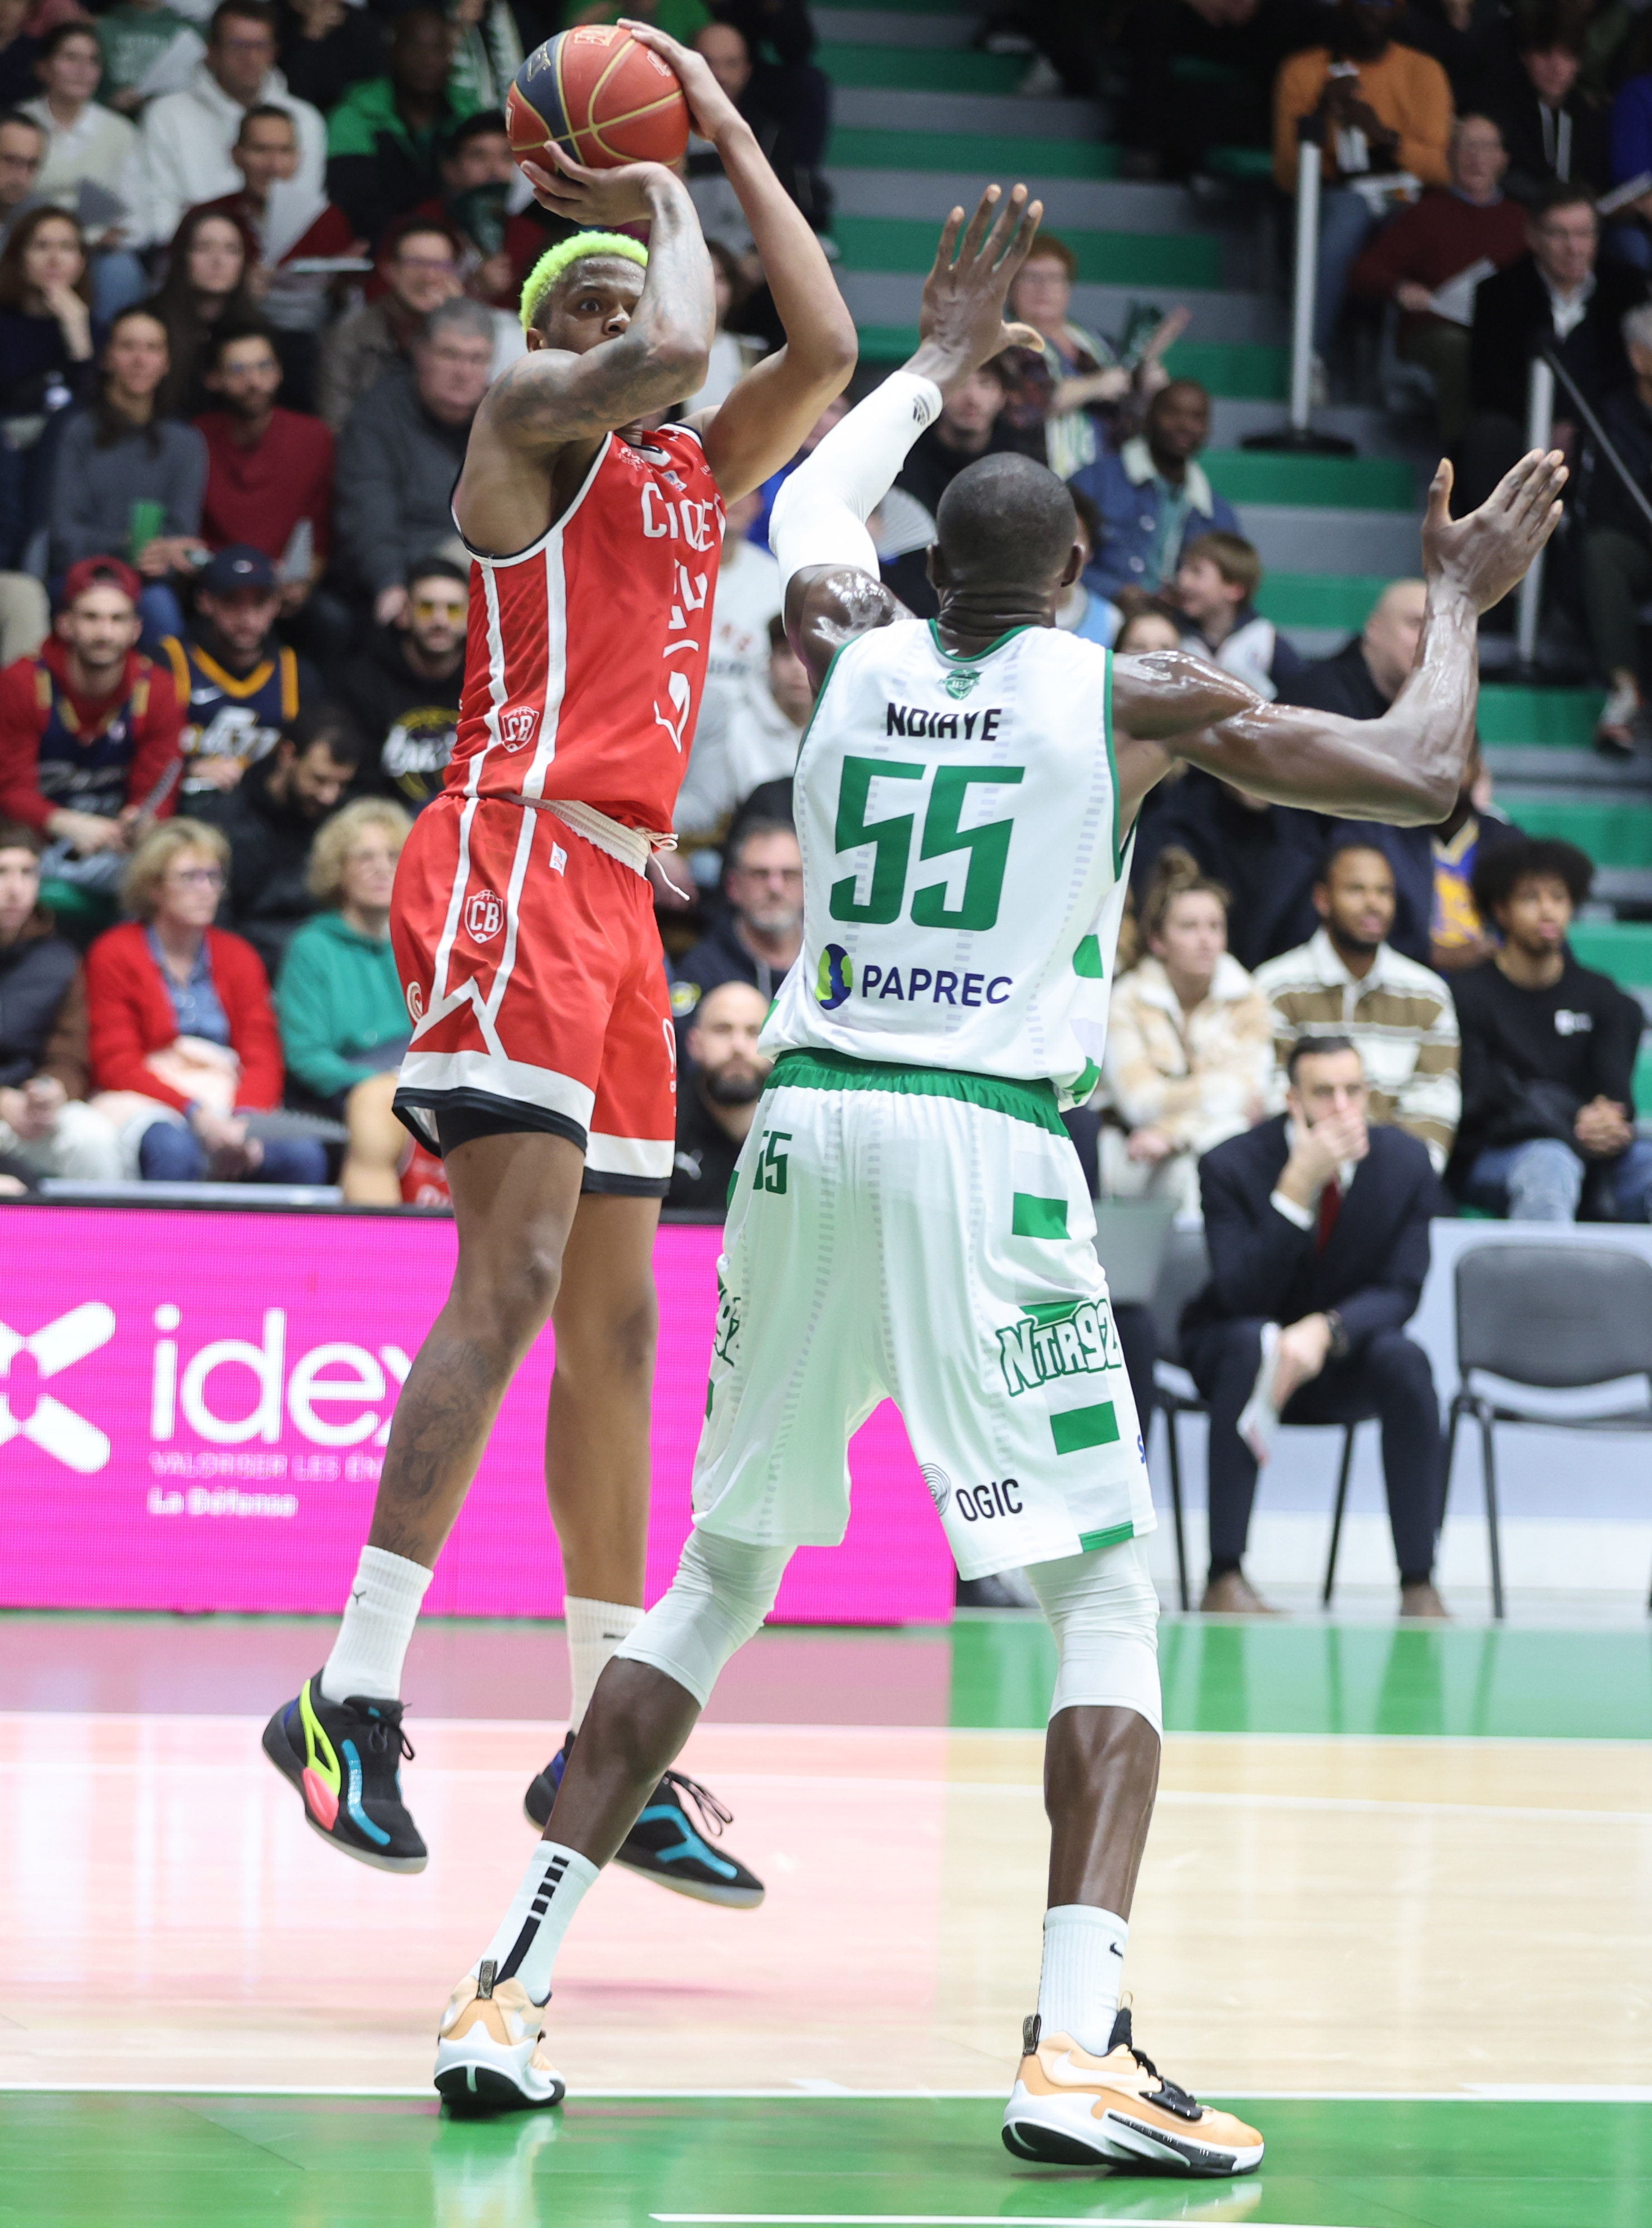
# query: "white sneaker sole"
[[477, 2074], [1064, 2131]]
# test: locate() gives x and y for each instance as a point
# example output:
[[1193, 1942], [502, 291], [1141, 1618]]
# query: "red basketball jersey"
[[586, 653]]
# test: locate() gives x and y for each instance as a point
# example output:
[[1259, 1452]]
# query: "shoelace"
[[712, 1816], [378, 1740], [1173, 2099]]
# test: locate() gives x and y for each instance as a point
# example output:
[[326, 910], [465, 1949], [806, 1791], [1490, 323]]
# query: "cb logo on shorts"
[[484, 916], [517, 726]]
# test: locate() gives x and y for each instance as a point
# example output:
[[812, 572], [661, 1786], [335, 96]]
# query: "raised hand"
[[1490, 552], [597, 200], [960, 320], [709, 107]]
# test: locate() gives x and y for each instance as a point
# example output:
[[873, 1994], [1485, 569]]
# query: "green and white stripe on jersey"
[[958, 820]]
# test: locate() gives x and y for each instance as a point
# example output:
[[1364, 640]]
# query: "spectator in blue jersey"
[[1152, 495], [239, 686]]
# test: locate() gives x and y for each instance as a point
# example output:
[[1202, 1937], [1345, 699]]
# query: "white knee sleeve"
[[1105, 1614], [721, 1593]]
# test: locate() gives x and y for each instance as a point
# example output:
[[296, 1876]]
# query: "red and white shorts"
[[531, 969]]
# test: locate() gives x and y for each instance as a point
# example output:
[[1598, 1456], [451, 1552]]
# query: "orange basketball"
[[605, 98]]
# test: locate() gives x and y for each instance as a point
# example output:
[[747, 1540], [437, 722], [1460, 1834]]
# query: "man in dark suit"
[[1319, 1226], [1563, 294]]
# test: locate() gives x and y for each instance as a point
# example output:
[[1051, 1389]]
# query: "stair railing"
[[1546, 368], [1297, 433], [1539, 426]]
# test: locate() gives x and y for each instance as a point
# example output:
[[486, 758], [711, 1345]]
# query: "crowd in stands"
[[1486, 191], [258, 269]]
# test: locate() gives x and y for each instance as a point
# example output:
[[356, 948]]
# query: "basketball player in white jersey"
[[909, 1218]]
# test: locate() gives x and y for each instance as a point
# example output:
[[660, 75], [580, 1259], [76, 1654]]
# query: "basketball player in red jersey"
[[542, 1060]]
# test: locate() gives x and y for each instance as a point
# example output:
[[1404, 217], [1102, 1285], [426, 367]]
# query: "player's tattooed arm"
[[1404, 768], [552, 398]]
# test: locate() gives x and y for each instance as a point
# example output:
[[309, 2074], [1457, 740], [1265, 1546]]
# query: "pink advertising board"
[[193, 1407]]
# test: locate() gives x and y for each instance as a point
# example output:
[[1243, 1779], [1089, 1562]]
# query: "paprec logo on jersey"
[[517, 726], [484, 916], [836, 978]]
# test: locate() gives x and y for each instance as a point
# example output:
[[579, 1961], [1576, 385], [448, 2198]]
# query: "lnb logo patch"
[[28, 1362]]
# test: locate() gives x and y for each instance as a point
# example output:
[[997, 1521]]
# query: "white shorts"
[[925, 1236]]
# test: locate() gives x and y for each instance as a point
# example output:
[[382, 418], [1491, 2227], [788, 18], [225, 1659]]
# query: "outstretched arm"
[[761, 425], [828, 564], [1405, 767]]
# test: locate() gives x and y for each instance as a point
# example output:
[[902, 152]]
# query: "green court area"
[[625, 2162], [1452, 1681]]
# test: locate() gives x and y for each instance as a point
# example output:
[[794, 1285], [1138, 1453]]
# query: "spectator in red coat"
[[182, 1026], [1446, 233], [269, 470], [89, 730]]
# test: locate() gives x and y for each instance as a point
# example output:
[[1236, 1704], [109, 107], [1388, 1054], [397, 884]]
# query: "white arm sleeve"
[[820, 514]]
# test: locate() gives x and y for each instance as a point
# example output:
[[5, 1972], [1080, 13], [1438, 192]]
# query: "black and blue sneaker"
[[345, 1758], [664, 1845]]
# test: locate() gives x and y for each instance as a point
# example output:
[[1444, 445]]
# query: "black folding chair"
[[1552, 1317], [1185, 1271]]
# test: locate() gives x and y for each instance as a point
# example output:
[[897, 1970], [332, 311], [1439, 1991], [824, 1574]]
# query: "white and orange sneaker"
[[1069, 2109], [487, 2053]]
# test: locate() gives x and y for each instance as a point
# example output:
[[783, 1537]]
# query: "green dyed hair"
[[555, 260]]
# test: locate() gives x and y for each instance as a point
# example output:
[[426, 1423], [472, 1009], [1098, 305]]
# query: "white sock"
[[595, 1630], [1083, 1959], [530, 1933], [379, 1619]]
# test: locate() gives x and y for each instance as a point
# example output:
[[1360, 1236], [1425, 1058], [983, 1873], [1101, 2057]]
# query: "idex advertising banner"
[[195, 1406]]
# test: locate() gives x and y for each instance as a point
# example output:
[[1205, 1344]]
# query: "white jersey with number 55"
[[963, 883]]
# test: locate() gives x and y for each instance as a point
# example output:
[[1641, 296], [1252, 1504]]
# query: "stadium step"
[[983, 154], [1548, 718], [1226, 368], [1084, 204], [1615, 832], [924, 8], [922, 70], [895, 27], [1220, 315], [1304, 538], [1622, 949], [1342, 601], [1249, 475], [907, 114], [1106, 259]]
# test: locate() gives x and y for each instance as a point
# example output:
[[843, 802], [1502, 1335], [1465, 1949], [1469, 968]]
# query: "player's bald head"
[[1005, 520]]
